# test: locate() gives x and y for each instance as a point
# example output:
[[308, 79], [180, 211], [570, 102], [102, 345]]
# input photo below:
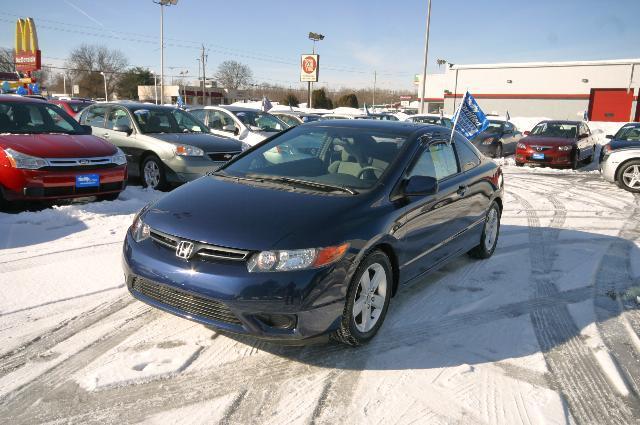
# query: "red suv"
[[72, 106], [46, 154]]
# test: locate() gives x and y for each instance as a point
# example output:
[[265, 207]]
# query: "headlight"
[[26, 162], [606, 149], [187, 150], [119, 158], [297, 259], [139, 230], [488, 141], [245, 146], [565, 148], [522, 146]]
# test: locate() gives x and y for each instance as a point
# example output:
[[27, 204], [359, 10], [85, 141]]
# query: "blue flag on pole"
[[266, 105], [469, 119], [180, 102]]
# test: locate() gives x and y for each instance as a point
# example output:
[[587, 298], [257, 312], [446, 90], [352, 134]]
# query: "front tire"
[[152, 172], [575, 162], [490, 233], [629, 176], [367, 300]]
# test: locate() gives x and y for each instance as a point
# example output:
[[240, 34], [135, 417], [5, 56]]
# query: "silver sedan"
[[623, 167]]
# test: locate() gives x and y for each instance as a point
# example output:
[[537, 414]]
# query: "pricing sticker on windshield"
[[88, 180]]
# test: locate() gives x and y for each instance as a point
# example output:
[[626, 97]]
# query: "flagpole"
[[455, 122], [426, 51]]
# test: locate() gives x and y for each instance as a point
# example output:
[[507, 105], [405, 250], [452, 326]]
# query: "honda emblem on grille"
[[184, 249], [539, 148]]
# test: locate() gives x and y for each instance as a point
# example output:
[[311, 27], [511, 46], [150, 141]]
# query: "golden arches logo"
[[26, 36]]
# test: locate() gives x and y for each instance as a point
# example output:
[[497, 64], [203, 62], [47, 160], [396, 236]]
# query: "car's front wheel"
[[367, 300], [629, 176], [153, 175], [490, 233]]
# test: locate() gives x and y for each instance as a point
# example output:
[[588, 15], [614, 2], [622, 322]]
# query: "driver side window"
[[118, 118], [438, 161]]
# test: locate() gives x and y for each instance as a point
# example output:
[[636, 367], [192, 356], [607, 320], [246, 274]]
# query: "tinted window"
[[95, 116], [260, 121], [167, 120], [289, 120], [199, 113], [629, 132], [34, 118], [555, 129], [509, 128], [217, 120], [466, 155], [438, 161], [118, 117]]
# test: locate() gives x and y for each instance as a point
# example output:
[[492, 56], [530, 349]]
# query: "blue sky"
[[361, 36]]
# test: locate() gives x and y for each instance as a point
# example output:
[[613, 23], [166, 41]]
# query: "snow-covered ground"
[[544, 332]]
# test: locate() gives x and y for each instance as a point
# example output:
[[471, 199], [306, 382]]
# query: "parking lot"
[[545, 331]]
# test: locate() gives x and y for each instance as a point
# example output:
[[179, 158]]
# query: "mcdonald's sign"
[[27, 56]]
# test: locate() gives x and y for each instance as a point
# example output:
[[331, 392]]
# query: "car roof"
[[136, 105], [18, 98], [233, 108], [401, 128], [561, 122]]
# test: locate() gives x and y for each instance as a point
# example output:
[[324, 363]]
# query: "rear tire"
[[365, 310], [152, 173], [627, 182], [490, 234]]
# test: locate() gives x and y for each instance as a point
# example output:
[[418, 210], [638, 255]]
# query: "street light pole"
[[106, 95], [155, 85], [314, 37], [162, 4], [426, 52]]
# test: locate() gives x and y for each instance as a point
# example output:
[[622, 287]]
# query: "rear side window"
[[439, 161], [95, 116], [118, 117], [466, 155], [198, 113]]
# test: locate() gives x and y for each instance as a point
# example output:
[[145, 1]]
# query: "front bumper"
[[552, 157], [183, 169], [223, 295], [608, 169], [21, 184]]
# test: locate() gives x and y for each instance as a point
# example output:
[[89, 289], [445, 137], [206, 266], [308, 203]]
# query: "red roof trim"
[[521, 96]]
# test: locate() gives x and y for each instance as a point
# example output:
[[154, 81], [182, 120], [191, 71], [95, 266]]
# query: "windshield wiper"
[[308, 183], [219, 173]]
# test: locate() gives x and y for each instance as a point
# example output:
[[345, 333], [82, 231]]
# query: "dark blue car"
[[317, 242], [628, 137]]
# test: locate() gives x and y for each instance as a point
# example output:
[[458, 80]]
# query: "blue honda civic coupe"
[[313, 231]]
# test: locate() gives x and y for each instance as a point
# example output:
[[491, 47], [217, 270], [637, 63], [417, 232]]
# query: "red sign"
[[309, 64], [406, 97], [309, 68], [28, 61]]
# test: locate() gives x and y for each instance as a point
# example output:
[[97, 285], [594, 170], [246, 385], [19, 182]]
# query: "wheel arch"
[[388, 250], [621, 165]]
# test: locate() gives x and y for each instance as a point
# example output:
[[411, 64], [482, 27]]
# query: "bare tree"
[[234, 75], [85, 64], [7, 60]]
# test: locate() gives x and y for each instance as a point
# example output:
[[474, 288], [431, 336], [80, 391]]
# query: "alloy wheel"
[[631, 176], [370, 297], [152, 174], [491, 229]]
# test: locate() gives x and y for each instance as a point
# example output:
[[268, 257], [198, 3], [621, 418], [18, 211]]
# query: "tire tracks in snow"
[[575, 371]]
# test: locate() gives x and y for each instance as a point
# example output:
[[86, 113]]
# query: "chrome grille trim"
[[540, 148], [79, 162], [200, 248]]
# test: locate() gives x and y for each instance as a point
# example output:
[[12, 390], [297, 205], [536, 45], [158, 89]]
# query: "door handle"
[[462, 190], [105, 135]]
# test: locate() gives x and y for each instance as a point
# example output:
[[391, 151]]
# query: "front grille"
[[199, 249], [540, 148], [191, 304], [222, 156], [77, 167], [61, 191]]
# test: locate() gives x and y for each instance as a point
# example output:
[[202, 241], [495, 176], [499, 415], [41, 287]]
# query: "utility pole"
[[203, 60], [375, 77], [426, 51]]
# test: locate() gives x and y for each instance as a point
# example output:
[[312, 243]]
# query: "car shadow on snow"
[[542, 288]]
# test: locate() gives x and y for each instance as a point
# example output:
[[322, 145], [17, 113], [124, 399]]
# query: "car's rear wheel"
[[153, 174], [629, 176], [490, 233], [367, 300]]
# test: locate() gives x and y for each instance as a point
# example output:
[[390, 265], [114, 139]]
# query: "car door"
[[509, 139], [118, 119], [589, 142], [430, 222]]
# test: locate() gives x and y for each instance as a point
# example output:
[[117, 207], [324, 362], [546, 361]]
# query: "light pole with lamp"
[[106, 94], [155, 85], [426, 52], [314, 37], [162, 4]]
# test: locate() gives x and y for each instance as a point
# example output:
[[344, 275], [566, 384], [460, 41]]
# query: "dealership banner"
[[309, 68], [469, 119]]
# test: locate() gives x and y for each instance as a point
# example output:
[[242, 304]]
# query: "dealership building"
[[606, 90]]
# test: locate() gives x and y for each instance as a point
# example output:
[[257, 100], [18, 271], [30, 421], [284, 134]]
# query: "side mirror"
[[609, 136], [87, 129], [526, 133], [420, 185], [123, 129], [229, 127]]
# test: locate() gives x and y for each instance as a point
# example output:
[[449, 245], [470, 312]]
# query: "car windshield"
[[260, 121], [167, 120], [77, 107], [342, 159], [629, 133], [555, 129], [494, 127], [34, 118]]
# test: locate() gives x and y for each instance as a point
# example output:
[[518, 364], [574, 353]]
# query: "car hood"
[[548, 141], [57, 145], [623, 144], [206, 142], [242, 215]]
